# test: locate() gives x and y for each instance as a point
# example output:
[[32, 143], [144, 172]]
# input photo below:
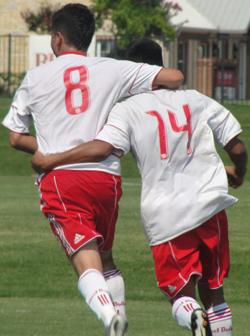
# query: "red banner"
[[228, 78]]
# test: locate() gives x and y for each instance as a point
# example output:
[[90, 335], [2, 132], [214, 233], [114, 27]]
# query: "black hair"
[[77, 23], [145, 50]]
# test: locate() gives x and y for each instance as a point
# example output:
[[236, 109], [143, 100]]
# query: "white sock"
[[182, 310], [116, 288], [220, 318], [94, 289]]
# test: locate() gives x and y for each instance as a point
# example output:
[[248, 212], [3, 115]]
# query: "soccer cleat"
[[117, 327], [199, 323]]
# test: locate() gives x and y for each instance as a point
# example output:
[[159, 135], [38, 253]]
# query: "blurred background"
[[208, 40]]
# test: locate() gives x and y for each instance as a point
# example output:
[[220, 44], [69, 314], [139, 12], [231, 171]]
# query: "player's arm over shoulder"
[[169, 78], [92, 151], [112, 139]]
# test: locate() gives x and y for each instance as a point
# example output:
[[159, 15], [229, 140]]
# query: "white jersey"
[[69, 100], [171, 134]]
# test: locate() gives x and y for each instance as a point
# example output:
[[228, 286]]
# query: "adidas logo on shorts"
[[171, 288], [78, 238]]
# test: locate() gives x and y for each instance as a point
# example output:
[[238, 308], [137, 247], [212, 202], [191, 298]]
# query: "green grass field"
[[38, 295]]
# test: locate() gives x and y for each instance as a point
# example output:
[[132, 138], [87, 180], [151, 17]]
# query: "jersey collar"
[[82, 53]]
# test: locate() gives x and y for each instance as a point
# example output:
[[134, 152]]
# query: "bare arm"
[[238, 155], [92, 151], [169, 78], [22, 141]]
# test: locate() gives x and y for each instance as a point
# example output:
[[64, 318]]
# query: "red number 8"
[[80, 85]]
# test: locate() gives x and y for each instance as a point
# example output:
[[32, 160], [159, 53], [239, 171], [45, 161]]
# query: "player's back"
[[170, 132], [183, 178], [70, 99]]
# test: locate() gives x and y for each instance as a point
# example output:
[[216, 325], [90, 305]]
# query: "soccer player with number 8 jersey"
[[69, 100], [184, 190]]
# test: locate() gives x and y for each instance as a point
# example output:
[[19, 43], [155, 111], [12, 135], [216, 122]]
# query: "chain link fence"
[[13, 61]]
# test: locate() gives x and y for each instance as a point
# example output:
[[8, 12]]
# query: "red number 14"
[[175, 127]]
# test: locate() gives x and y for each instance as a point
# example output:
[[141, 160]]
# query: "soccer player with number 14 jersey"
[[69, 100], [184, 190]]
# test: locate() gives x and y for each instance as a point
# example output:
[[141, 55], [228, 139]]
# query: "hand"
[[233, 179], [40, 162]]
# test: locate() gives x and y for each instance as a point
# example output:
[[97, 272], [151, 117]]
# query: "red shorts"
[[203, 252], [81, 206]]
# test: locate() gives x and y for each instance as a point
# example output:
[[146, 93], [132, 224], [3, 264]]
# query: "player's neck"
[[70, 50], [76, 52]]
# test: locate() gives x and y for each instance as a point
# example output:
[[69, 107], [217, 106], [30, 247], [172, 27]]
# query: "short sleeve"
[[227, 130], [116, 130], [19, 118], [16, 122], [22, 98], [223, 124], [137, 77]]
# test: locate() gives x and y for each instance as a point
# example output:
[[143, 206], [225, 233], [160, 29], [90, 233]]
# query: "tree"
[[137, 18], [39, 21]]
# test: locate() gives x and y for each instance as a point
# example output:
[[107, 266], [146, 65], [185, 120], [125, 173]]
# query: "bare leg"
[[87, 257], [210, 297], [107, 261]]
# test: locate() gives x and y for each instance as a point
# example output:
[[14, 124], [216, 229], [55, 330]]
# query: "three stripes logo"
[[188, 307], [103, 299]]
